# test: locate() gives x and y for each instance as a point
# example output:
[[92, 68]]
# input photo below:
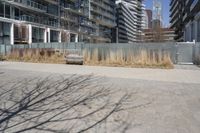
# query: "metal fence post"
[[63, 47], [5, 53], [193, 52], [30, 45], [177, 54]]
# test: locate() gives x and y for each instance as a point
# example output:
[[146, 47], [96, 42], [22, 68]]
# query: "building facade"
[[185, 19], [159, 35], [147, 19], [103, 13], [44, 21], [129, 20], [157, 10]]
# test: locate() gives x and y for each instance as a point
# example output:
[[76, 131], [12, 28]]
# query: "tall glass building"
[[35, 21], [129, 20], [185, 19]]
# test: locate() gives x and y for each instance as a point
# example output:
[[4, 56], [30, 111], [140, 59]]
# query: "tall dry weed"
[[142, 58], [35, 55]]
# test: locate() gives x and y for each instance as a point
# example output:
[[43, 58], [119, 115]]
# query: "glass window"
[[72, 37], [6, 28], [17, 13], [1, 9], [54, 36], [4, 33], [192, 32], [7, 11], [198, 31], [52, 9], [37, 35]]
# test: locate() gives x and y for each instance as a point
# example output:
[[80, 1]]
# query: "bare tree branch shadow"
[[59, 104]]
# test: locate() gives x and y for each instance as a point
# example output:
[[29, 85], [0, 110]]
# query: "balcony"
[[69, 18], [185, 16], [112, 3], [175, 14], [172, 10], [38, 20], [52, 23], [172, 3], [88, 24], [187, 1], [93, 33], [74, 29], [52, 1], [74, 10], [103, 5], [194, 5], [28, 18], [102, 13], [103, 21], [29, 4], [174, 22], [83, 30]]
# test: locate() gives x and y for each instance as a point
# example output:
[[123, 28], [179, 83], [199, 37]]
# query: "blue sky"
[[149, 5]]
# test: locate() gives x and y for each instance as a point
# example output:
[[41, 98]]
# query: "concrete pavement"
[[174, 94], [181, 74]]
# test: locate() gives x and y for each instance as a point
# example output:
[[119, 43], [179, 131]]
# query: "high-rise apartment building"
[[185, 19], [103, 13], [163, 35], [176, 15], [157, 10], [147, 19], [34, 21], [157, 14], [129, 20]]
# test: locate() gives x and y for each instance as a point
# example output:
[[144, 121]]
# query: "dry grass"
[[153, 59], [36, 56], [142, 58], [1, 57]]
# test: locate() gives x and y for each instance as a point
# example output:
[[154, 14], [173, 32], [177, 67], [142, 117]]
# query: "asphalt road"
[[174, 94]]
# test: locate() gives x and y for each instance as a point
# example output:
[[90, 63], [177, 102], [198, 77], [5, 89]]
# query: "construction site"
[[47, 21]]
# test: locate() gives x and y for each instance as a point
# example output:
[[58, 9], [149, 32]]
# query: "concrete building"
[[158, 10], [129, 20], [147, 19], [185, 19], [156, 23], [34, 21], [102, 13], [161, 35]]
